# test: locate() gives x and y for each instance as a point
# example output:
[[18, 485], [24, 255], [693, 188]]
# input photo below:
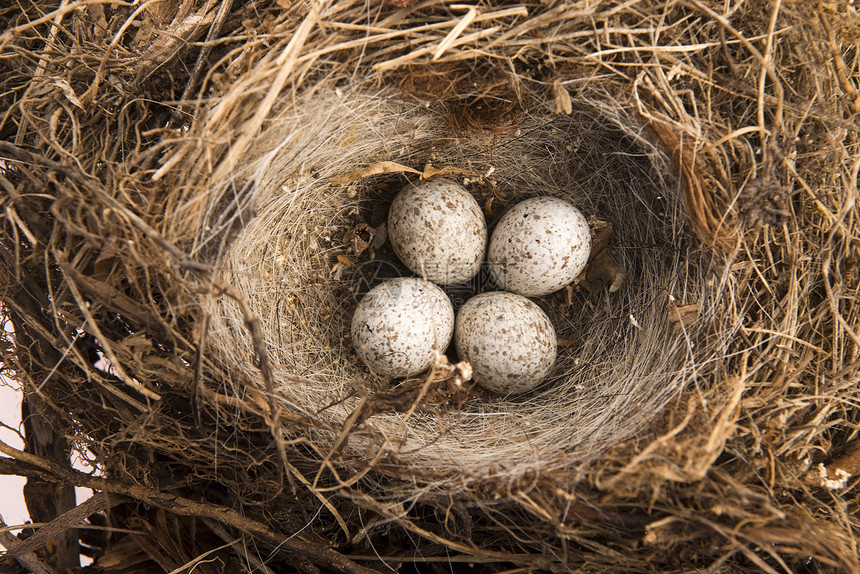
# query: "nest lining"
[[622, 357]]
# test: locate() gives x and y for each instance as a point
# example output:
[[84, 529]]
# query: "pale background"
[[12, 506]]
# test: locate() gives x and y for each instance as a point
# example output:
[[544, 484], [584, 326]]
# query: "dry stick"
[[103, 341], [30, 562], [198, 369], [206, 272], [97, 503], [536, 561], [214, 30], [238, 546], [34, 465]]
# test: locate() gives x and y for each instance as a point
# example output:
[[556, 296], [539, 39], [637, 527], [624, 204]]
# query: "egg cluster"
[[438, 231]]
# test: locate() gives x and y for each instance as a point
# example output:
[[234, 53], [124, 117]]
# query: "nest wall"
[[297, 263], [178, 268]]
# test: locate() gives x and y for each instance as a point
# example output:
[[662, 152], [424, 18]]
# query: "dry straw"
[[192, 203]]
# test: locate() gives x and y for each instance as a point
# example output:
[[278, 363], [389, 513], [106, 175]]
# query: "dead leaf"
[[344, 260], [602, 270], [169, 42], [848, 462], [98, 20], [69, 93], [104, 262], [600, 239], [836, 474], [373, 169], [156, 16], [380, 235], [683, 315], [430, 171], [362, 238], [491, 209], [563, 104]]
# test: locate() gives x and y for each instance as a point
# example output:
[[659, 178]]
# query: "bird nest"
[[315, 244], [194, 199]]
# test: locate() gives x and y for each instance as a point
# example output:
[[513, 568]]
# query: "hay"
[[168, 206]]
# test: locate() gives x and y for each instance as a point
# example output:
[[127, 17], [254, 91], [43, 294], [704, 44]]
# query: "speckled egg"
[[437, 230], [400, 324], [508, 340], [539, 246]]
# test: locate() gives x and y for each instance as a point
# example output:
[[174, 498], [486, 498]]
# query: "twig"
[[238, 545], [536, 561], [26, 464], [69, 519], [204, 271], [103, 341], [29, 561], [214, 30]]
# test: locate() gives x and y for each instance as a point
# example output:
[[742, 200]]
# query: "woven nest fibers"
[[192, 200], [303, 263]]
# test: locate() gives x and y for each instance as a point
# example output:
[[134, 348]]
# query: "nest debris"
[[177, 269]]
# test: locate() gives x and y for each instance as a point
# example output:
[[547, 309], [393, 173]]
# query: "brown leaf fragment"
[[603, 271], [563, 103], [380, 235], [169, 42], [836, 474], [344, 260], [683, 315], [95, 17], [430, 171], [600, 238], [104, 262], [377, 168], [121, 555], [362, 238], [69, 92]]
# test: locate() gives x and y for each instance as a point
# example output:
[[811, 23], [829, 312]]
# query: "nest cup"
[[621, 357]]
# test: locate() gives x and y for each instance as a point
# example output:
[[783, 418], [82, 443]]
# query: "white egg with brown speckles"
[[437, 230], [400, 325], [539, 246], [508, 340]]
